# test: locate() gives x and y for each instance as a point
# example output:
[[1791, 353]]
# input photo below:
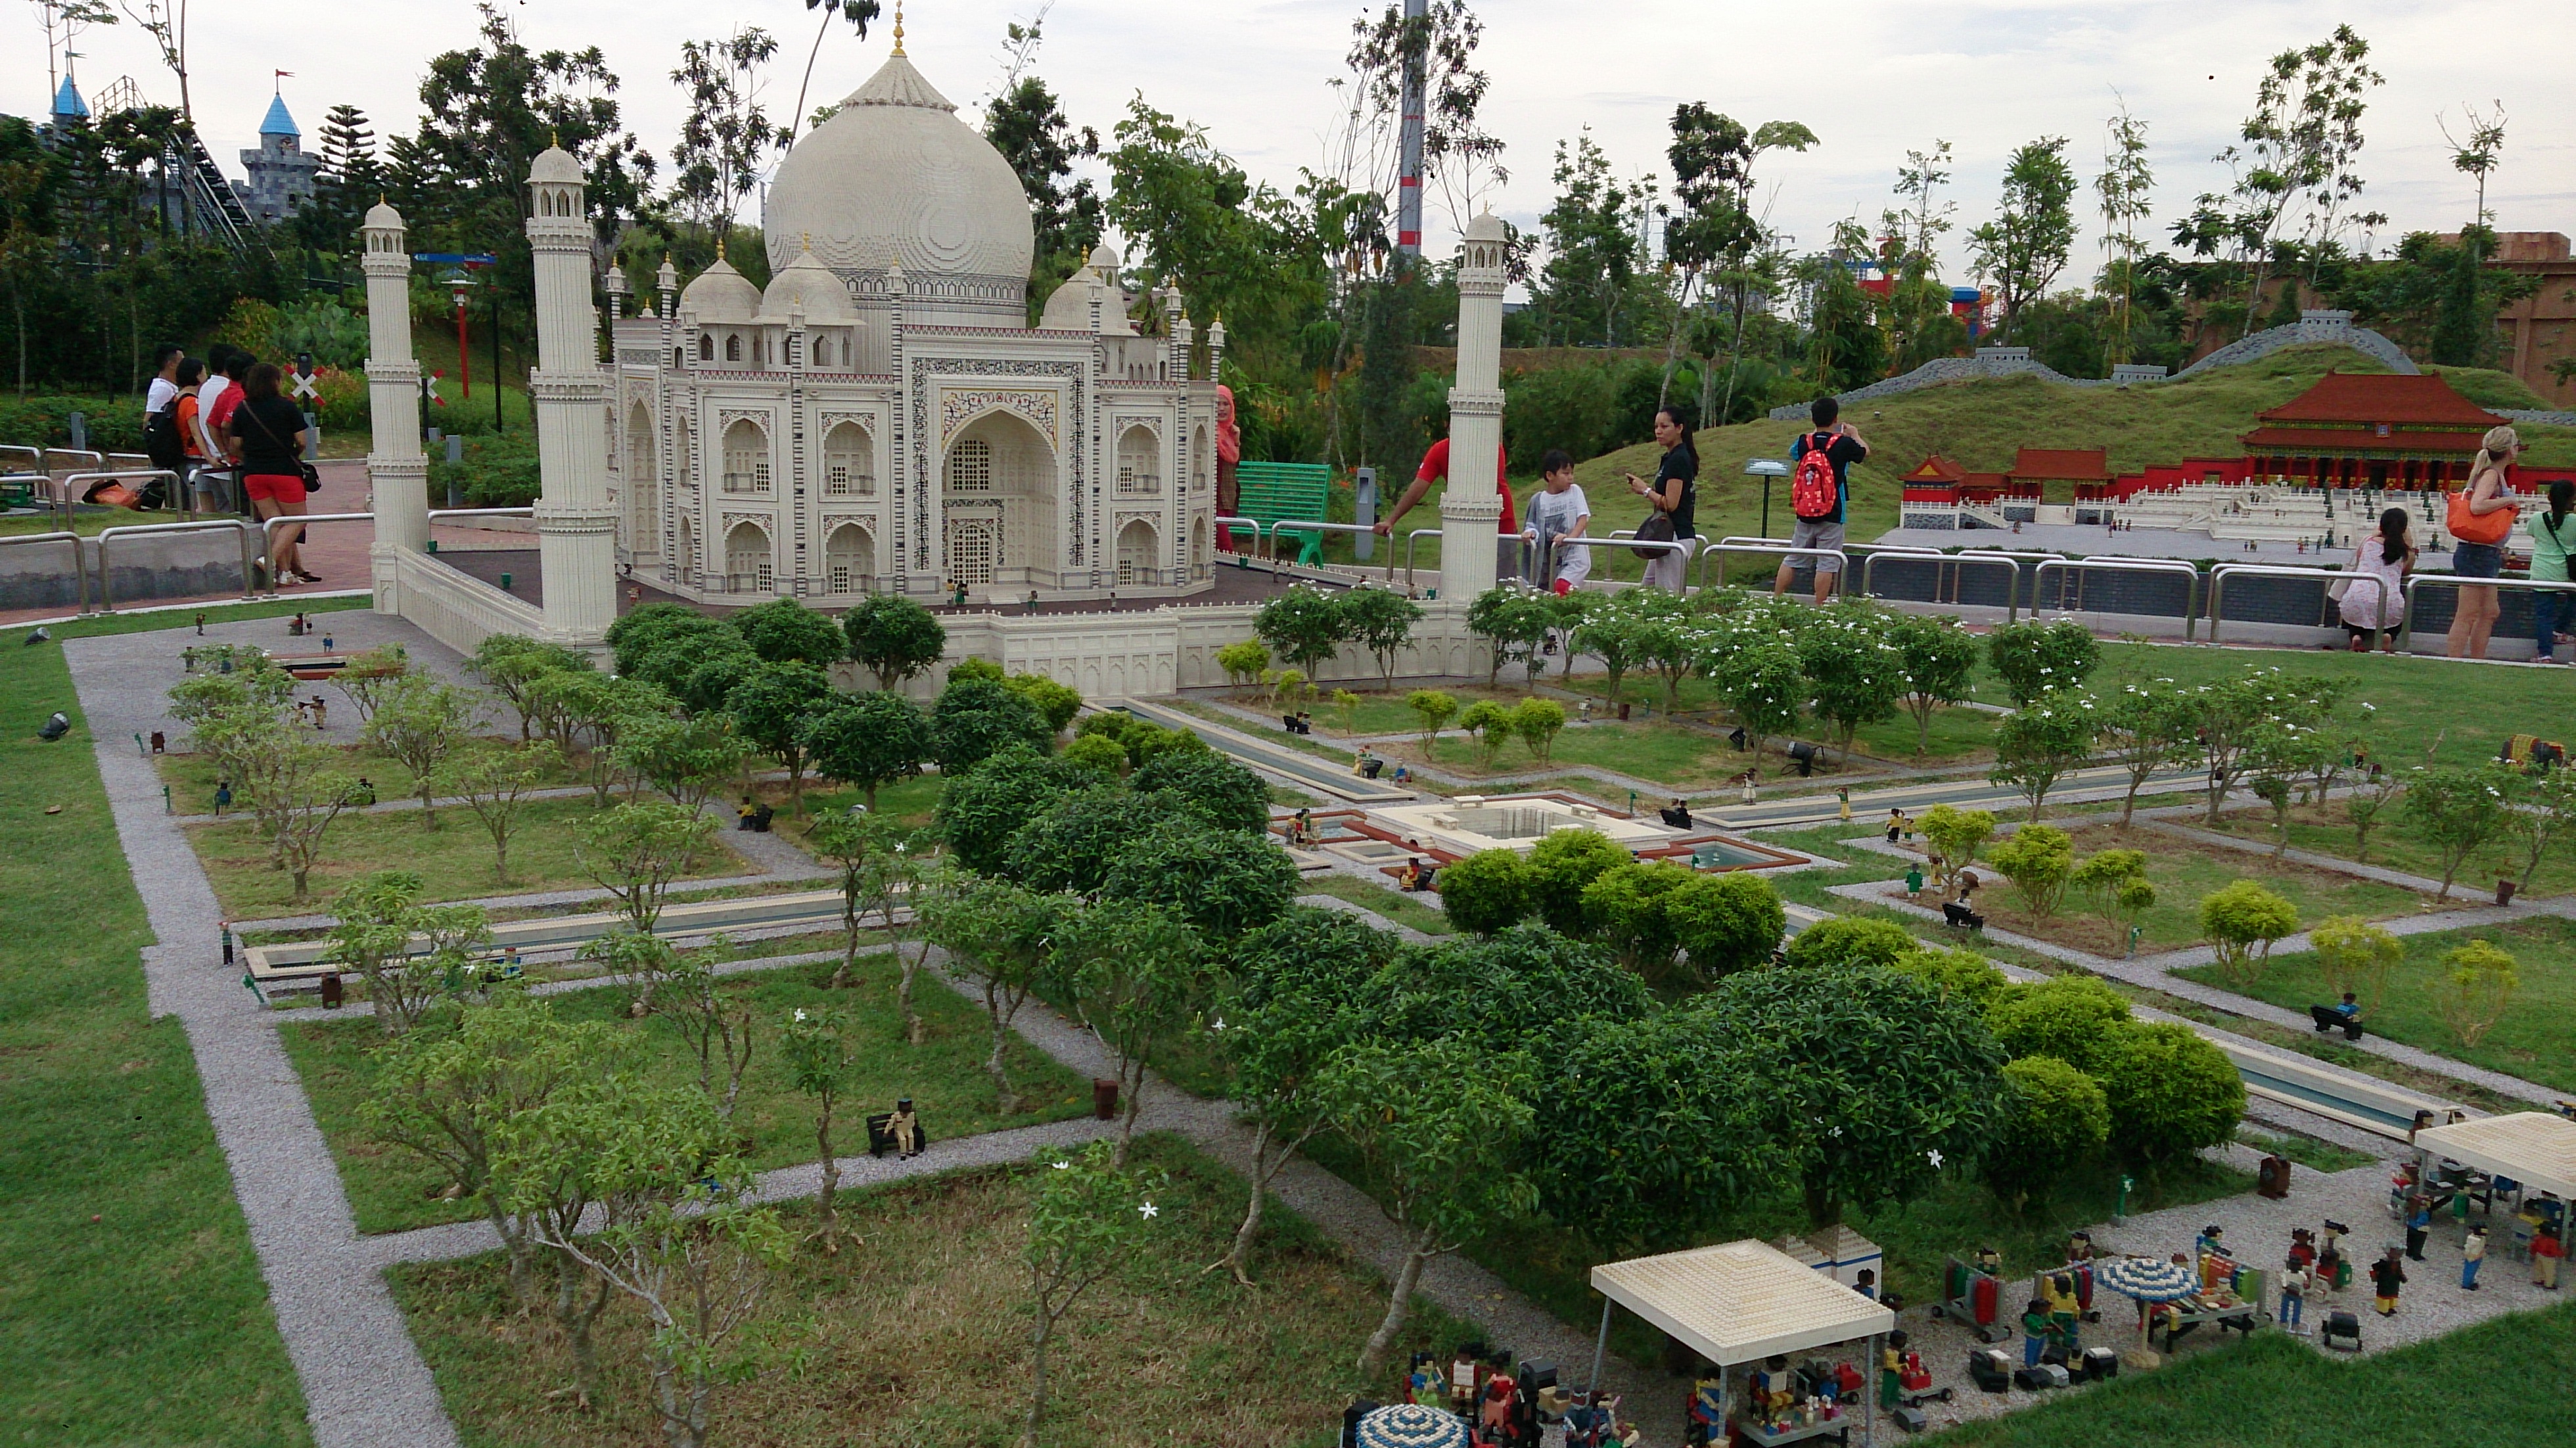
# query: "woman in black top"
[[1674, 492], [267, 433]]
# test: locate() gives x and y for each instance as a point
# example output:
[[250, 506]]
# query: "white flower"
[[1064, 1166], [1934, 1156], [800, 1013], [1149, 1211]]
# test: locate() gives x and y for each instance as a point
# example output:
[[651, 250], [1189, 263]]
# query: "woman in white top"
[[2386, 555], [1560, 511]]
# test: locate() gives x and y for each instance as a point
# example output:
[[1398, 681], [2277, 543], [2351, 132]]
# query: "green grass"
[[921, 1333], [2484, 1386], [1394, 905], [2307, 1151], [391, 1189], [454, 860], [912, 803], [2327, 831], [191, 777], [2536, 1040], [131, 1308]]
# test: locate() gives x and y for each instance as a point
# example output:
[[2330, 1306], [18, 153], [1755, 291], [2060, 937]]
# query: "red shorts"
[[278, 488]]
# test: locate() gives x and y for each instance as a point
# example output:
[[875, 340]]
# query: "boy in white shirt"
[[1559, 510]]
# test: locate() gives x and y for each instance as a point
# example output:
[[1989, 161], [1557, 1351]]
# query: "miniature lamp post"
[[1766, 469], [2120, 1212], [459, 283]]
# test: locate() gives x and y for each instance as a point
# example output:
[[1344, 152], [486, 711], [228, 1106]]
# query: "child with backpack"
[[1819, 488]]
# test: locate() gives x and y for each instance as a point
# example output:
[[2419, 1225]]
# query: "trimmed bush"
[[1486, 892]]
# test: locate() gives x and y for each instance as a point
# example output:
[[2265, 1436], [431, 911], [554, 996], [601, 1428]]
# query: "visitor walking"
[[1558, 512], [1817, 500], [2481, 517], [161, 441], [2370, 611], [269, 433], [1673, 496], [2551, 533]]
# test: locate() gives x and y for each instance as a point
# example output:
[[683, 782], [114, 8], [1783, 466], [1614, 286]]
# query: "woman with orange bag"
[[2481, 518]]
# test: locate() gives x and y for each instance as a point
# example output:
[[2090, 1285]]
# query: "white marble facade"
[[881, 418]]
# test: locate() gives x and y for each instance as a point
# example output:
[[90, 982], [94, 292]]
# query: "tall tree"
[[2296, 154], [2478, 149], [858, 13], [2126, 182], [1027, 124], [1596, 240], [2026, 245], [726, 133], [1238, 251], [1713, 235]]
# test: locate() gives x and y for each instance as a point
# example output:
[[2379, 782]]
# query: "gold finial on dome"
[[720, 243], [898, 27], [808, 241]]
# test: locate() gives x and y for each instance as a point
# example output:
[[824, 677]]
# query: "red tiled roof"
[[1935, 469], [2382, 397], [2359, 440], [2083, 465]]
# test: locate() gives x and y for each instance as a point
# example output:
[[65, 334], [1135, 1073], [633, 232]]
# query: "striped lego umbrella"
[[2149, 1281], [1411, 1425]]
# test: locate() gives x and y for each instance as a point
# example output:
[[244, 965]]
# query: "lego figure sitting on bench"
[[2345, 1017], [898, 1131]]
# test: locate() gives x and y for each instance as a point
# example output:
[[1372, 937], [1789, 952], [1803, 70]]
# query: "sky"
[[1873, 79]]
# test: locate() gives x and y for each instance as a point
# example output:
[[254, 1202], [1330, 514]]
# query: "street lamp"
[[460, 284], [1766, 469]]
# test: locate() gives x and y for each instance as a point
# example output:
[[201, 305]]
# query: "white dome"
[[894, 178], [805, 283], [721, 294]]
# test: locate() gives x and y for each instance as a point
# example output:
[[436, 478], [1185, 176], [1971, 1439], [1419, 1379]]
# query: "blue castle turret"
[[69, 108], [280, 175]]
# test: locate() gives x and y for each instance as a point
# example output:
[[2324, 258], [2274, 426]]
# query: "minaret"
[[576, 527], [396, 471], [1470, 509]]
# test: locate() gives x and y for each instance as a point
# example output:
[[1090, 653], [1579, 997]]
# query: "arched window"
[[1199, 548], [849, 464], [748, 566], [746, 459], [974, 544], [1136, 550], [733, 347], [850, 558], [640, 475], [1199, 458], [970, 467], [679, 358], [1138, 469], [687, 562], [706, 348]]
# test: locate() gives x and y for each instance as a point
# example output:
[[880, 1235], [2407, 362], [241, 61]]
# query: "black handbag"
[[312, 475], [1658, 528]]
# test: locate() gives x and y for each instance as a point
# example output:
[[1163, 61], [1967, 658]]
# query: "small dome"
[[1486, 227], [1068, 307], [721, 294], [808, 284], [383, 217], [556, 164]]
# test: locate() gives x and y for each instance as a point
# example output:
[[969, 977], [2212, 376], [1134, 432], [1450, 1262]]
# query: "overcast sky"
[[1871, 77]]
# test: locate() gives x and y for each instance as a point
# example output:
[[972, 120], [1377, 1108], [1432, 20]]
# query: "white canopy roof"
[[1741, 1302], [2536, 1148]]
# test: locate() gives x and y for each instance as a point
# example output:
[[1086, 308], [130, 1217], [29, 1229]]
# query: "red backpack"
[[1813, 492]]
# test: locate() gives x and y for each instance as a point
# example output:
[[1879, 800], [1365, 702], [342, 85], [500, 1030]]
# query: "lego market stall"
[[1749, 1304], [2529, 1156]]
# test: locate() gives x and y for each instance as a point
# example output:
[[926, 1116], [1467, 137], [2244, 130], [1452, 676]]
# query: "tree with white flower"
[[1088, 1216]]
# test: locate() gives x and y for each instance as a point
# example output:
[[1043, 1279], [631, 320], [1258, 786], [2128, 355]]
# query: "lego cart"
[[1750, 1305], [1972, 1297]]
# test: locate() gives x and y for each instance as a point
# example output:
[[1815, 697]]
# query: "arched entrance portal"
[[997, 486]]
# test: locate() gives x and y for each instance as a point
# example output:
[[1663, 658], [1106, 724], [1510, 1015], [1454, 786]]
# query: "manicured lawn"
[[454, 860], [393, 1189], [191, 777], [2182, 876], [920, 1335], [2328, 831], [911, 803], [2276, 1389], [1395, 905], [2536, 1040], [131, 1308]]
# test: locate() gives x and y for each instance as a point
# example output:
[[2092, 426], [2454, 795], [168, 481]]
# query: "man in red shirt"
[[1435, 468]]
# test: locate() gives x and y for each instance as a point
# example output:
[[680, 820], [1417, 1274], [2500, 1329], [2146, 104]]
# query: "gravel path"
[[364, 1383]]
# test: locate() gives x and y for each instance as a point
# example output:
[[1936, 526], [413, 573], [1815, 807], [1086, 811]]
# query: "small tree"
[[1956, 973], [1625, 909], [2056, 1118], [1136, 975], [1346, 708], [366, 676], [869, 740], [2477, 984], [2457, 811], [1614, 630], [815, 1047], [420, 722], [2034, 658], [688, 760], [495, 782], [1208, 784], [1561, 864], [2039, 860], [2171, 1092], [1849, 941], [1538, 722], [1725, 922], [2242, 920], [2367, 807], [1954, 837], [2101, 876], [1937, 661], [2546, 819], [2232, 717], [1243, 662], [1487, 891], [771, 708], [1380, 620], [716, 1028], [508, 662], [1096, 752], [635, 851], [894, 638], [1762, 686], [2355, 955], [1855, 675], [2042, 743], [601, 708], [997, 936], [374, 924], [2278, 761], [1491, 725], [1089, 1215], [2145, 728], [1440, 1127], [1305, 626], [302, 794], [785, 631], [1513, 622], [1056, 703], [1434, 709], [879, 863], [976, 719]]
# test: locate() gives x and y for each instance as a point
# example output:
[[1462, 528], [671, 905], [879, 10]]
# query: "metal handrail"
[[437, 513], [1869, 563], [1547, 555], [2115, 563], [80, 561], [1317, 525], [268, 532], [1723, 551], [68, 490], [2406, 625], [35, 455], [1228, 521], [2219, 575], [1409, 540], [97, 459], [240, 529]]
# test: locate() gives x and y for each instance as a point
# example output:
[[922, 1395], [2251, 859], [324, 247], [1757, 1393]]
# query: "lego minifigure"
[[1913, 878], [1500, 1392], [2079, 1247], [2209, 1241], [2303, 1247], [1462, 1384], [2294, 1296], [906, 1129], [2065, 1315], [1990, 1261], [1867, 1286], [1422, 1381], [2035, 1323], [1707, 1411], [1891, 1369], [2419, 1224], [2546, 1250], [2472, 1252], [2387, 1275]]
